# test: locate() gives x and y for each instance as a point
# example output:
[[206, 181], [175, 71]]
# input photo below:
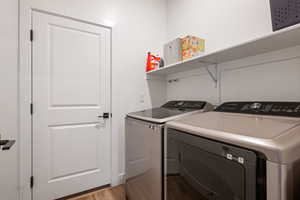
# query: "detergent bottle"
[[152, 62]]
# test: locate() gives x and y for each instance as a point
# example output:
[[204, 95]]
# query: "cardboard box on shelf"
[[192, 46], [183, 49], [172, 51]]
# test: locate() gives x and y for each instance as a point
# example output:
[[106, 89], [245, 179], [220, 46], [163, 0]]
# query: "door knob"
[[6, 144], [104, 116]]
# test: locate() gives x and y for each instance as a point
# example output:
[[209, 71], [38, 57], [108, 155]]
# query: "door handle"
[[104, 116], [7, 144]]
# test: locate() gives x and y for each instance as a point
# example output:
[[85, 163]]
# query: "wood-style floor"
[[112, 193], [177, 189]]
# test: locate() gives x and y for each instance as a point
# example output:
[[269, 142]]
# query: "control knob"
[[255, 106]]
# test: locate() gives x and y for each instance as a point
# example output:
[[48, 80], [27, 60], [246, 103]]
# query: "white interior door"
[[71, 88]]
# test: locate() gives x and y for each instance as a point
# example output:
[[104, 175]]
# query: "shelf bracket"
[[213, 73]]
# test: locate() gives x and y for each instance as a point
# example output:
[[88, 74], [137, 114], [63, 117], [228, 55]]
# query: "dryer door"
[[208, 170]]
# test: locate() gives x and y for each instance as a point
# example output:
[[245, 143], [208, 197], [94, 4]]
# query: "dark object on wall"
[[161, 63], [285, 13]]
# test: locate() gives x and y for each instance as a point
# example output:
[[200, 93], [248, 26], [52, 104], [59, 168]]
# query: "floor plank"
[[112, 193], [177, 189]]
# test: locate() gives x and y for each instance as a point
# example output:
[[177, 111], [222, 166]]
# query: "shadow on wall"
[[157, 92]]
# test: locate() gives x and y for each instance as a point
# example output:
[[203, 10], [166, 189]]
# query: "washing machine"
[[145, 143]]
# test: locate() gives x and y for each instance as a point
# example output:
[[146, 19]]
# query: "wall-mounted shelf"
[[282, 39]]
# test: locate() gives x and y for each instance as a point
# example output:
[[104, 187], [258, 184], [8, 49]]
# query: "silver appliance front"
[[143, 160], [283, 181], [144, 146]]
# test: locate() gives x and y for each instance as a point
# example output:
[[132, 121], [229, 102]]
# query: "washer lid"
[[161, 115], [157, 113], [171, 110], [256, 126], [278, 138]]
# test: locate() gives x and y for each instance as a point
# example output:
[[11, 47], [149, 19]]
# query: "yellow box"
[[192, 46]]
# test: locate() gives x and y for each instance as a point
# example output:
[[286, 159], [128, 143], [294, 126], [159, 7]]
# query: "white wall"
[[272, 76], [268, 77], [8, 97], [220, 23]]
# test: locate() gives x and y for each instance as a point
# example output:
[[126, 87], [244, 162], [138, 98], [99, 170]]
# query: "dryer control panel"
[[289, 109]]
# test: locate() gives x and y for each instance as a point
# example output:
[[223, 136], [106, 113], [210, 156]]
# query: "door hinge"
[[31, 181], [31, 35], [31, 108]]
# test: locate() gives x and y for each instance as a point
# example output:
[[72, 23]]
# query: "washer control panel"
[[289, 109], [194, 105]]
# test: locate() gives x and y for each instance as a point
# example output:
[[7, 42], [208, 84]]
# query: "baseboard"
[[122, 178]]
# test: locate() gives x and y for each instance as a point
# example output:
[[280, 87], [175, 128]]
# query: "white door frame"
[[25, 94]]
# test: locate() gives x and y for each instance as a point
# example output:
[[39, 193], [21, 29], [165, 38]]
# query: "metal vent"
[[285, 13]]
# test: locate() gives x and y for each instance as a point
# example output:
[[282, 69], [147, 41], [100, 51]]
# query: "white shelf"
[[282, 39]]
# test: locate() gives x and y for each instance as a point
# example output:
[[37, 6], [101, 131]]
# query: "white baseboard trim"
[[122, 178]]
